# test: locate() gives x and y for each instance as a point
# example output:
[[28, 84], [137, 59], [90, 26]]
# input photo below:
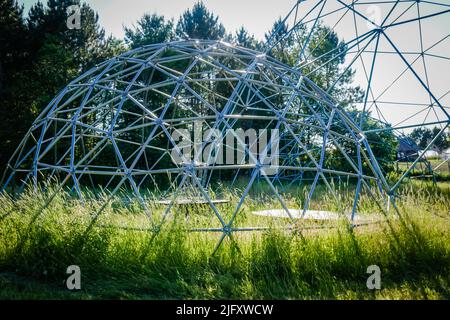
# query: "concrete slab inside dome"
[[297, 214]]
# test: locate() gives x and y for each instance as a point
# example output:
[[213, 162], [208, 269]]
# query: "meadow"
[[304, 262]]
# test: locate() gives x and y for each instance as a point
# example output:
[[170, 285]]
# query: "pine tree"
[[199, 23], [88, 44], [45, 55], [244, 39], [13, 57], [150, 29], [11, 27]]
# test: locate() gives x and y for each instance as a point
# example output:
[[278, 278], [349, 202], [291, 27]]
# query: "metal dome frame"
[[78, 111], [375, 31], [258, 81]]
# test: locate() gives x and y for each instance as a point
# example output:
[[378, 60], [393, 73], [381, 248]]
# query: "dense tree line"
[[39, 55]]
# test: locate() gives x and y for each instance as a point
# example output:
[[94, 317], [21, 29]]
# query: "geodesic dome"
[[181, 117]]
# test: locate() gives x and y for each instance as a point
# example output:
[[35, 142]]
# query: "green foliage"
[[199, 23], [277, 34], [11, 27], [88, 45], [39, 56], [13, 56], [322, 57], [382, 143], [423, 137], [150, 29], [244, 39], [50, 55]]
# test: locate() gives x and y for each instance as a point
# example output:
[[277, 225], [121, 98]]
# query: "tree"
[[442, 141], [277, 33], [383, 143], [150, 29], [45, 56], [244, 39], [11, 27], [199, 23], [58, 54], [423, 137], [88, 44], [320, 55], [281, 46], [13, 57]]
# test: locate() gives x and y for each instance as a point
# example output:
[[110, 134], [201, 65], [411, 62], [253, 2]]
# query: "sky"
[[256, 16]]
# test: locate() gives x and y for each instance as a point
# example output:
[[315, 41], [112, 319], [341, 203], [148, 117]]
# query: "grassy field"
[[413, 252], [439, 167]]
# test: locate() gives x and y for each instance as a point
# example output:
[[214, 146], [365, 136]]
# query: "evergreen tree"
[[11, 27], [280, 45], [89, 45], [199, 23], [150, 29], [244, 39], [46, 55], [13, 56], [277, 33]]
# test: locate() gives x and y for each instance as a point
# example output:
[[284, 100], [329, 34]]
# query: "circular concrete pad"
[[297, 214]]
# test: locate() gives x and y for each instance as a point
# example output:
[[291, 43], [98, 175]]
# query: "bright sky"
[[255, 15]]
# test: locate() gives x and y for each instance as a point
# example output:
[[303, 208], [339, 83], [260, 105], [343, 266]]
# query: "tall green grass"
[[36, 246]]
